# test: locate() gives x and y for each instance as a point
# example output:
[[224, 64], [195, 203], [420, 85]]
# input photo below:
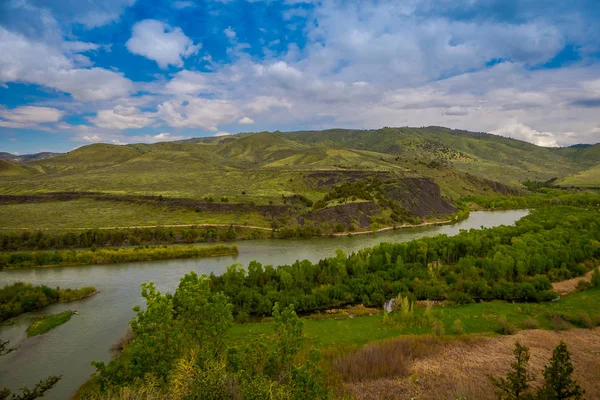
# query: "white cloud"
[[188, 82], [122, 118], [455, 111], [160, 137], [92, 138], [246, 121], [197, 113], [160, 42], [230, 33], [28, 116], [27, 61], [261, 104], [222, 133], [519, 131]]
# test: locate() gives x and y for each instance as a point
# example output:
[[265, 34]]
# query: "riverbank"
[[49, 258]]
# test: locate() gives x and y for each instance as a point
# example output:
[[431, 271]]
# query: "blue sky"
[[76, 72]]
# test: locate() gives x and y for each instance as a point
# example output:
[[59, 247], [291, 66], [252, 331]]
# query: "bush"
[[457, 327], [505, 327], [459, 298], [559, 322], [583, 320], [546, 295], [437, 328], [530, 323]]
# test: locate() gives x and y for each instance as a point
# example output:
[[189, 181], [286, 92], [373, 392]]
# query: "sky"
[[75, 72]]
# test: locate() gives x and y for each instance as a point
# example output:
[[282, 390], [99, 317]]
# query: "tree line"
[[44, 240], [20, 298], [517, 263], [25, 259]]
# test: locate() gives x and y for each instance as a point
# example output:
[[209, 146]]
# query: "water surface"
[[68, 349]]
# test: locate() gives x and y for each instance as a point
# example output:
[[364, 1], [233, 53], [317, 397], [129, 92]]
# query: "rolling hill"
[[26, 157], [388, 175]]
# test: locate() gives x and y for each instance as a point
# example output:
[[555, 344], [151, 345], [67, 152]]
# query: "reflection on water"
[[68, 349]]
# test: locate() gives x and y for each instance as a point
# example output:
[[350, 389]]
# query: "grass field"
[[88, 213], [47, 323], [480, 318]]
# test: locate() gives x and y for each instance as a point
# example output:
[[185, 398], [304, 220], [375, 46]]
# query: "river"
[[68, 349]]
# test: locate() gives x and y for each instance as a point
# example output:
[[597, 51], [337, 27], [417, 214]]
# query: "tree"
[[516, 384], [558, 383], [288, 341]]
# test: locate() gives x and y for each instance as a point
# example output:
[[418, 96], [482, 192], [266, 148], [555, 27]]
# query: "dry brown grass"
[[384, 359], [570, 285], [461, 369]]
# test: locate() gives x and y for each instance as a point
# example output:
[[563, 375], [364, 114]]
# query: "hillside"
[[355, 178], [26, 157]]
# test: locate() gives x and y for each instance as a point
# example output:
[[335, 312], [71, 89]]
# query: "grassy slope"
[[589, 177], [88, 213]]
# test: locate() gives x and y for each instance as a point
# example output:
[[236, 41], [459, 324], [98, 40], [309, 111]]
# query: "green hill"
[[388, 175], [9, 169]]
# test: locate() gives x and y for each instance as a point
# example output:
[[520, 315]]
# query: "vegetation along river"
[[103, 318]]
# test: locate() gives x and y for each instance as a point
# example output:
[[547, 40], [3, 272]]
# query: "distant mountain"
[[26, 157]]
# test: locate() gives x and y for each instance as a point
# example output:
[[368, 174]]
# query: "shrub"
[[530, 323], [546, 295], [459, 298], [559, 322], [583, 320], [505, 327], [437, 328], [457, 327]]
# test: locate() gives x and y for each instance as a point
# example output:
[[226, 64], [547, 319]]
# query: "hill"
[[26, 157], [336, 179]]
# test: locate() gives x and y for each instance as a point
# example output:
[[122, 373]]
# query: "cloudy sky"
[[74, 72]]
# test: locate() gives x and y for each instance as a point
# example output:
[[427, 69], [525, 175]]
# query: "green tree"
[[202, 316], [516, 384], [558, 383], [288, 337]]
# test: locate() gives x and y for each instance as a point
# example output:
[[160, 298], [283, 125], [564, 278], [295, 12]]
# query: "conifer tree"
[[558, 383], [515, 386]]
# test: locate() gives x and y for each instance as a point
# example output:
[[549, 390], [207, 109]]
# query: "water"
[[68, 349]]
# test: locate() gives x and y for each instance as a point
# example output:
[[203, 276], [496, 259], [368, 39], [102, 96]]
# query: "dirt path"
[[569, 286], [388, 228]]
